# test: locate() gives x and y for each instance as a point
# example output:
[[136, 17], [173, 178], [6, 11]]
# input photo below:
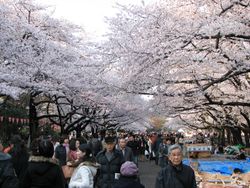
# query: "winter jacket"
[[43, 172], [19, 159], [128, 182], [128, 154], [176, 177], [134, 145], [108, 168], [83, 176], [8, 178], [61, 154], [163, 155]]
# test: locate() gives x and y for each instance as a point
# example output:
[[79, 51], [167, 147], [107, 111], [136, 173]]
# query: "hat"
[[129, 169], [84, 147], [109, 139]]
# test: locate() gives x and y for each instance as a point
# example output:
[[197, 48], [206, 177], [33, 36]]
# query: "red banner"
[[16, 120]]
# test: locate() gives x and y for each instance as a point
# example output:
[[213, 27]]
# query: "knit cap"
[[129, 169]]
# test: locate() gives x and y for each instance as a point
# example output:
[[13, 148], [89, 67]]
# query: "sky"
[[87, 13]]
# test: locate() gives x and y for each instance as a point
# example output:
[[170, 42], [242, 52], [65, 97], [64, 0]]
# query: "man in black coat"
[[125, 150], [110, 160], [135, 146], [176, 174]]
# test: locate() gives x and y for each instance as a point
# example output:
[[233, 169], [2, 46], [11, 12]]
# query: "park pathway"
[[148, 172]]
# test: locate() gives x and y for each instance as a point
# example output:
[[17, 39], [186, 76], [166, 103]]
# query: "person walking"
[[134, 145], [84, 175], [61, 152], [129, 176], [110, 160], [8, 178], [176, 174], [19, 156], [42, 170], [126, 151], [96, 144], [72, 155], [163, 152]]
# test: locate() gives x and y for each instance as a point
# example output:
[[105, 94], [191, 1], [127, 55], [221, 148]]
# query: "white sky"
[[87, 13]]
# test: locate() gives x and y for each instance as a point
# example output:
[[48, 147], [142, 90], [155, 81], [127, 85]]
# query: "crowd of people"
[[97, 161]]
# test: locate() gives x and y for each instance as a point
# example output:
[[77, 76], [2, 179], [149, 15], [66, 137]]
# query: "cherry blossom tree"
[[190, 56], [42, 55], [188, 59]]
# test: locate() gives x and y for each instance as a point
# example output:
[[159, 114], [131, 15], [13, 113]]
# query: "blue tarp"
[[224, 167]]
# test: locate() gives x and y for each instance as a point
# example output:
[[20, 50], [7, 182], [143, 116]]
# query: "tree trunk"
[[63, 131], [222, 137], [78, 131], [247, 139], [237, 136], [229, 141], [33, 120], [240, 137]]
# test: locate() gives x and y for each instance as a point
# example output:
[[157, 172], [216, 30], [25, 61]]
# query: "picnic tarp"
[[225, 167]]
